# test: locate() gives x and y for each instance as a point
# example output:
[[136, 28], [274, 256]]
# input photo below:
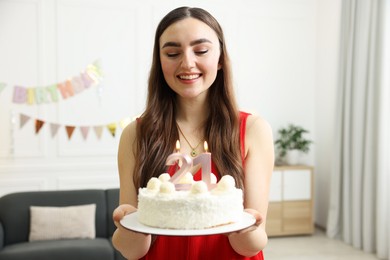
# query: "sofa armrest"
[[1, 236]]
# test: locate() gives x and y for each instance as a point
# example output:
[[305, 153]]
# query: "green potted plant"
[[291, 144]]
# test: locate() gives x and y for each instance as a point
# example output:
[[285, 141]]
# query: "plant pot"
[[293, 157]]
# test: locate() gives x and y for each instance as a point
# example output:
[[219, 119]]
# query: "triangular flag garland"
[[38, 125], [54, 129], [84, 131], [23, 120], [91, 76], [112, 128], [98, 129], [70, 130]]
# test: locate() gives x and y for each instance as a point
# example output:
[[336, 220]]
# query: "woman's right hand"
[[132, 245], [120, 212]]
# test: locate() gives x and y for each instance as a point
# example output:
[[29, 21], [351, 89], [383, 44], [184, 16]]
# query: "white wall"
[[328, 38], [284, 55]]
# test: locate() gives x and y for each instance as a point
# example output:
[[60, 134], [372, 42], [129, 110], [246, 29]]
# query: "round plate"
[[131, 222]]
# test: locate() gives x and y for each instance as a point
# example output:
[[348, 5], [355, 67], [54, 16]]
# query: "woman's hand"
[[120, 212], [259, 220], [132, 245], [246, 242]]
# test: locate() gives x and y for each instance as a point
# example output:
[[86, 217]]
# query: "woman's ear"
[[219, 66]]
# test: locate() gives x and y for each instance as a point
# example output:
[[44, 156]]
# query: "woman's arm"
[[132, 245], [259, 163]]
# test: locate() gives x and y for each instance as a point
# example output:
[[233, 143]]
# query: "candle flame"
[[177, 146], [206, 146]]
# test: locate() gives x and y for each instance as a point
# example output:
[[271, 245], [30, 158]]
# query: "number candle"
[[185, 160], [205, 160]]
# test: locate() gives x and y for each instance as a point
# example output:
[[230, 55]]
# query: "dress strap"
[[243, 118]]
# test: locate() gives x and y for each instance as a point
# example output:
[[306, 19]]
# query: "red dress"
[[199, 247]]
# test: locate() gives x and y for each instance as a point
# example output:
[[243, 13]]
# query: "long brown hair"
[[157, 130]]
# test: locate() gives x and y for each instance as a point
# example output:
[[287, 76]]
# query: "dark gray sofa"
[[15, 226]]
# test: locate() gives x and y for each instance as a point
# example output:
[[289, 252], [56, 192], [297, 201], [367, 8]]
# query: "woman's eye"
[[172, 55], [201, 52]]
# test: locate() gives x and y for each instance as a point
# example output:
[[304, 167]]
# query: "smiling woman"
[[190, 97], [274, 47]]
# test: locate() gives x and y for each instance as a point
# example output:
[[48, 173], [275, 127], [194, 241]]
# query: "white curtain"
[[383, 202], [359, 203]]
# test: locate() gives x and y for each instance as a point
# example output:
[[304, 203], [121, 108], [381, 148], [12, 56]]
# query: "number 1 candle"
[[204, 159]]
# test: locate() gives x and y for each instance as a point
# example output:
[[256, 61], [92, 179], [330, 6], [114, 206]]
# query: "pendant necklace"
[[193, 149]]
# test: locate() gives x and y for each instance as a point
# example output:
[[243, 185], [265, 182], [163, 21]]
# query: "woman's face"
[[189, 53]]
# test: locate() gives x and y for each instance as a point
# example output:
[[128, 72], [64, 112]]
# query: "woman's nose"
[[188, 60]]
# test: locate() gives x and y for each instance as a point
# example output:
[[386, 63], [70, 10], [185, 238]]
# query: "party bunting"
[[38, 125], [23, 120], [70, 129], [84, 131], [54, 129], [91, 76], [112, 128], [98, 131]]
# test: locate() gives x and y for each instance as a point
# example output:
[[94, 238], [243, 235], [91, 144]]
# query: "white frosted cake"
[[161, 205]]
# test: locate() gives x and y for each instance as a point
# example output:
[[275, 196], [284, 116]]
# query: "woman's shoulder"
[[131, 127], [254, 120], [129, 132], [257, 126], [258, 137]]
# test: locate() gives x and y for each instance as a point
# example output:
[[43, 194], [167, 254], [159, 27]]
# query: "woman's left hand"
[[257, 216], [259, 220]]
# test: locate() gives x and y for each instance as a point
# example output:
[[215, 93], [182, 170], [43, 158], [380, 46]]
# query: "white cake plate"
[[131, 222]]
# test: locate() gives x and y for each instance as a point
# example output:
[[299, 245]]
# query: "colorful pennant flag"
[[98, 131], [84, 130], [91, 76], [112, 128], [69, 131], [54, 129], [23, 120], [38, 125]]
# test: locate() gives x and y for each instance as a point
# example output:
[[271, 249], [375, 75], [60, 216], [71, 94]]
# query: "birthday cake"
[[162, 205]]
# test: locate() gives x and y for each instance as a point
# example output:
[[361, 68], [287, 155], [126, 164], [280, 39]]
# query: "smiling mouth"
[[189, 77]]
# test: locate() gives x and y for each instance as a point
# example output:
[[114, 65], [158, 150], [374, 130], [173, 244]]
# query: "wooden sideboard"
[[290, 210]]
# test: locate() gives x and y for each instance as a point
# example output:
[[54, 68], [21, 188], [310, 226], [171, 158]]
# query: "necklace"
[[193, 152]]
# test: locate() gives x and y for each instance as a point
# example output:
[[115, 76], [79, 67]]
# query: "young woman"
[[190, 97]]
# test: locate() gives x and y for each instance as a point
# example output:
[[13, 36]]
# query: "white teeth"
[[187, 77]]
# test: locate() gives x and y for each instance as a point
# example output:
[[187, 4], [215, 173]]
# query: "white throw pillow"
[[48, 223]]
